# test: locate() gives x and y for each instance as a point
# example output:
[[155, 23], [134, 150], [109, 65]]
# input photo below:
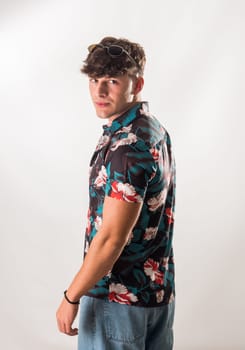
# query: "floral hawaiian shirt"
[[133, 162]]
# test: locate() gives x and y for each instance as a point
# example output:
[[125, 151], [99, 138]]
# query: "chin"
[[102, 116]]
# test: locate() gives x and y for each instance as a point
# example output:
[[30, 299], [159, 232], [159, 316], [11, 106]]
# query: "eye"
[[113, 81], [93, 80]]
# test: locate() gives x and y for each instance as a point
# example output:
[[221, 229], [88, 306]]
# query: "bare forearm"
[[119, 218], [99, 260]]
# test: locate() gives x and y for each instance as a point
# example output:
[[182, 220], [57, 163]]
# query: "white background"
[[48, 130]]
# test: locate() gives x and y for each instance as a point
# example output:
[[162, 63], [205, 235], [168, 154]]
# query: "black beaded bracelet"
[[69, 301]]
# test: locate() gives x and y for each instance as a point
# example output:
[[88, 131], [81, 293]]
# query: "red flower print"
[[151, 270], [155, 153], [170, 215], [124, 192], [120, 294]]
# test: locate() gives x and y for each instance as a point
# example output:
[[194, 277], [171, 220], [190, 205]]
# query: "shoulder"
[[148, 128]]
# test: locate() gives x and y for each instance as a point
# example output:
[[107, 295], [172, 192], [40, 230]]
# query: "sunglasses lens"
[[115, 50]]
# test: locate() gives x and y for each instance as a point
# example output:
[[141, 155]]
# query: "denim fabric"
[[105, 325]]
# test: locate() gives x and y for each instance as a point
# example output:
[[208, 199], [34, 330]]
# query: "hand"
[[65, 316]]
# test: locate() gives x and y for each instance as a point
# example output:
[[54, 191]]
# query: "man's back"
[[133, 162]]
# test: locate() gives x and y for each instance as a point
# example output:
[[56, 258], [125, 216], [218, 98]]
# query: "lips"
[[102, 104]]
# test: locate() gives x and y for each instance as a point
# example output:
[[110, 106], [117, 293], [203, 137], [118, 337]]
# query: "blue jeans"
[[105, 325]]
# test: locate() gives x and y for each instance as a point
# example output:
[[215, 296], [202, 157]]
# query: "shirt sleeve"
[[129, 171]]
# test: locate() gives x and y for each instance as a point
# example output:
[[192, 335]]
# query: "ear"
[[138, 85]]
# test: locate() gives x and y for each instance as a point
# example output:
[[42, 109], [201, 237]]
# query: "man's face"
[[112, 96]]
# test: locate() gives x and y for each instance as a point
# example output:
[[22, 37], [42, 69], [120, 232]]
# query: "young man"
[[126, 282]]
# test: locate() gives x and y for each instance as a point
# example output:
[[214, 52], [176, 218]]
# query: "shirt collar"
[[126, 118]]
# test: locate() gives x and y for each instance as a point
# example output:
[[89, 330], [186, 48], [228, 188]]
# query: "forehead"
[[122, 78]]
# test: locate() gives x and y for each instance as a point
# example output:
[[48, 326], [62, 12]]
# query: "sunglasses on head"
[[113, 51]]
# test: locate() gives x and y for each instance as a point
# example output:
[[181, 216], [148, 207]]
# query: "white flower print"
[[167, 167], [127, 189], [151, 269], [155, 202], [86, 247], [125, 192], [118, 288], [125, 129], [144, 111], [120, 294], [97, 222], [171, 298], [165, 263], [104, 140], [159, 296], [108, 274], [101, 178], [130, 237], [150, 233], [88, 226], [132, 138], [153, 174]]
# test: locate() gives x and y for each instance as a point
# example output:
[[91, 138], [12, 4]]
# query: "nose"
[[102, 89]]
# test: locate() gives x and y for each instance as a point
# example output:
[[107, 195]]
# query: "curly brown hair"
[[100, 63]]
